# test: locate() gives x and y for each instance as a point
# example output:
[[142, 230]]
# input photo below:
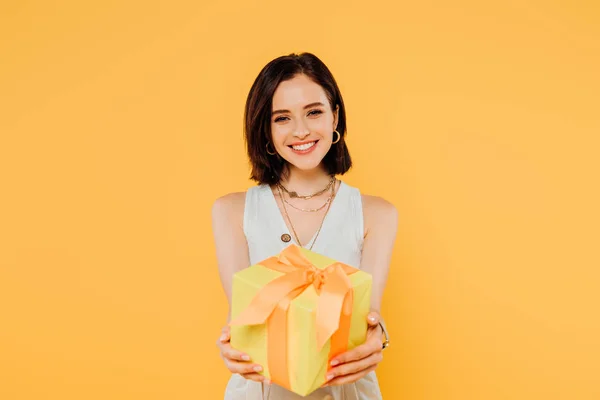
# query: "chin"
[[305, 164], [303, 167]]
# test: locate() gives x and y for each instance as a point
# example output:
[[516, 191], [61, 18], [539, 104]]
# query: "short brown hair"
[[257, 116]]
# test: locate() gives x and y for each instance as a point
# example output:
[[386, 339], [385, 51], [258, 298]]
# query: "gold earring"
[[268, 152], [338, 138]]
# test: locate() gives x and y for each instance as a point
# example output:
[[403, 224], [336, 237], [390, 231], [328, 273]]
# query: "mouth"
[[304, 148]]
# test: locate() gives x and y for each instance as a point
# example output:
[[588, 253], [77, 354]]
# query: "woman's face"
[[302, 122]]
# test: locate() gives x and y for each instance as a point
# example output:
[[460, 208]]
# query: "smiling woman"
[[295, 102], [295, 125], [303, 129]]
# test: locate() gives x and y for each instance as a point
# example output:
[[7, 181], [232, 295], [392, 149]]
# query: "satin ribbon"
[[271, 303]]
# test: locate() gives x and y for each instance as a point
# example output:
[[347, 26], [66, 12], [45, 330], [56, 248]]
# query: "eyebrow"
[[305, 107]]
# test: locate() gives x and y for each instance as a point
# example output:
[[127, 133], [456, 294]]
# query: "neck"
[[302, 181]]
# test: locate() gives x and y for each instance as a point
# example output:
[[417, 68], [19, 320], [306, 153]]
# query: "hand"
[[236, 361], [358, 362]]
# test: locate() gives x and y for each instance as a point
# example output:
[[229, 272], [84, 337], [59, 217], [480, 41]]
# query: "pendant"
[[295, 195]]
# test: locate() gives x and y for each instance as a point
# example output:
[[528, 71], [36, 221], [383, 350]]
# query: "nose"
[[301, 130]]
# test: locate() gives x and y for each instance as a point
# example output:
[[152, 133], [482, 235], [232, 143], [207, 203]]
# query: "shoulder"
[[373, 205], [230, 200], [379, 213], [229, 206], [378, 206]]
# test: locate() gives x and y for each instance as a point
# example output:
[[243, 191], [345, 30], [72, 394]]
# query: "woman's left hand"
[[358, 362]]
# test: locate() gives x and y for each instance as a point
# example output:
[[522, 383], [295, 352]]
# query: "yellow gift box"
[[294, 312]]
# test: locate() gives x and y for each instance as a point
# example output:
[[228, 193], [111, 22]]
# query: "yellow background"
[[120, 123]]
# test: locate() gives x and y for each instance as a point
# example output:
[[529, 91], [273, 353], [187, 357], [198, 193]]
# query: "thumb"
[[373, 318], [225, 334]]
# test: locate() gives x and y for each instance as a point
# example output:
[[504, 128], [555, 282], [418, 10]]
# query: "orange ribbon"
[[270, 305]]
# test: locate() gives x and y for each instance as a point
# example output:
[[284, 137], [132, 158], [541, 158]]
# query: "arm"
[[232, 256], [381, 221], [230, 242]]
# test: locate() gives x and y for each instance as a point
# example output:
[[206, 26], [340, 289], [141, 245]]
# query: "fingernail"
[[329, 376], [257, 368], [223, 337], [267, 381], [246, 357], [335, 362], [372, 318]]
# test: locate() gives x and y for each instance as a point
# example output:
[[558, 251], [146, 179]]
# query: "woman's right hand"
[[236, 361]]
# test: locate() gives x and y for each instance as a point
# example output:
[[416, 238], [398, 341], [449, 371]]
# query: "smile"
[[303, 147]]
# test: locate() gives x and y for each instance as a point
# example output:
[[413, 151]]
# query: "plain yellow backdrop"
[[121, 122]]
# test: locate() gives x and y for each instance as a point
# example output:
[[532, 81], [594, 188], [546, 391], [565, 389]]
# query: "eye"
[[279, 119], [315, 112]]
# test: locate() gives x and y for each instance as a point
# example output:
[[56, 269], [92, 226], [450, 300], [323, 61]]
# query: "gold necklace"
[[293, 194], [292, 225], [309, 209]]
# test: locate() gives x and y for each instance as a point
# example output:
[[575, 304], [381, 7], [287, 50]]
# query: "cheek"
[[321, 125], [277, 130], [279, 133]]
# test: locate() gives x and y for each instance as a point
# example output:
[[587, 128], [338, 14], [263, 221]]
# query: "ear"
[[336, 114]]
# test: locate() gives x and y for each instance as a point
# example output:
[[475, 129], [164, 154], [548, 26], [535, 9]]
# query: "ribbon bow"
[[270, 305]]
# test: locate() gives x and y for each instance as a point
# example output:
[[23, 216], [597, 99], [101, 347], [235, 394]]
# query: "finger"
[[242, 368], [359, 352], [225, 334], [373, 318], [256, 377], [356, 353], [355, 366], [223, 339], [350, 378], [232, 354]]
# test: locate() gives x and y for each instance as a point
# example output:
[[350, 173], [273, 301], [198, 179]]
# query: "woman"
[[295, 127]]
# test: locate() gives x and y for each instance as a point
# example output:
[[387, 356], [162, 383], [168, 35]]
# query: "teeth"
[[304, 146]]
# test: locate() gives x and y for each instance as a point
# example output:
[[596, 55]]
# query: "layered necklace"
[[293, 194], [307, 197], [330, 186]]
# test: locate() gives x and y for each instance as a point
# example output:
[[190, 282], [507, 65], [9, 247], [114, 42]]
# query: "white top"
[[341, 238]]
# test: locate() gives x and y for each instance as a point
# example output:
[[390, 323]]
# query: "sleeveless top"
[[341, 238]]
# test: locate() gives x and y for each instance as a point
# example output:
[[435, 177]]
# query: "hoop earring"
[[268, 152], [338, 138]]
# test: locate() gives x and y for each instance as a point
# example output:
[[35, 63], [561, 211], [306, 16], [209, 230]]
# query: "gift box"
[[292, 313]]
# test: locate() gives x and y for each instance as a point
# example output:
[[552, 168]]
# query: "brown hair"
[[267, 168]]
